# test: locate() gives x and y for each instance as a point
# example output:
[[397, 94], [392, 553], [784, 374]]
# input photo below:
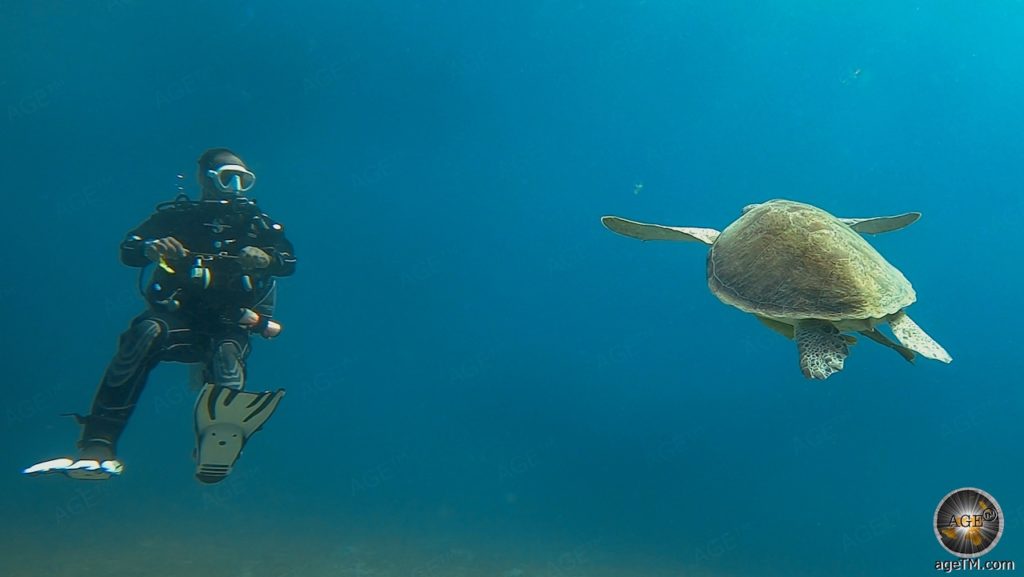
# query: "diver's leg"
[[139, 350], [225, 415], [230, 350]]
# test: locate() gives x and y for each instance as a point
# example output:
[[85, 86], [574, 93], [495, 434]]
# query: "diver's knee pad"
[[133, 351], [228, 365]]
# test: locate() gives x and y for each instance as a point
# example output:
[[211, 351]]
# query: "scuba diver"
[[213, 284]]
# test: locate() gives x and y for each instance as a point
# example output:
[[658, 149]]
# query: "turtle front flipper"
[[915, 339], [644, 231], [883, 340], [823, 349], [880, 224]]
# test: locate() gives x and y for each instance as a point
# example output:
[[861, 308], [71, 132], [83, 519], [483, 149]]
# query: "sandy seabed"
[[159, 549]]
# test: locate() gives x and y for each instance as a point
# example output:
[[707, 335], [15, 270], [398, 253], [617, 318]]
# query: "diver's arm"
[[273, 242], [133, 247], [282, 259]]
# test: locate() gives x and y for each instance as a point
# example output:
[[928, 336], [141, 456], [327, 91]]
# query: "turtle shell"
[[785, 259]]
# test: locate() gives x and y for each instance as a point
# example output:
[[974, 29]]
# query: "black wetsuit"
[[193, 314]]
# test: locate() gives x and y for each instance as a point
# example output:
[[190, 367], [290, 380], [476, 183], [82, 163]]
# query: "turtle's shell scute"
[[786, 259]]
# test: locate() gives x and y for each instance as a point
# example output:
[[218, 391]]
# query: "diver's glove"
[[87, 469], [253, 257], [164, 248]]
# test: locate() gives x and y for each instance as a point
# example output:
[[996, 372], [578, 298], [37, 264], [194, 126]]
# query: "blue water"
[[481, 379]]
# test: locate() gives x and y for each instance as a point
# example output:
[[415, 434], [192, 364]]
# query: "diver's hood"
[[213, 159]]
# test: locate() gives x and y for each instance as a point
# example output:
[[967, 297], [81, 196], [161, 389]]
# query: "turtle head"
[[751, 207]]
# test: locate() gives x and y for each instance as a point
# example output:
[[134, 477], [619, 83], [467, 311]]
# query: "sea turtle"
[[807, 275]]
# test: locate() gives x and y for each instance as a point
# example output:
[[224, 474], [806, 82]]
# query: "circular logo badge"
[[968, 522]]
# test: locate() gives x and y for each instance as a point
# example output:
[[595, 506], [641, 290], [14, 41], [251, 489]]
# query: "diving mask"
[[232, 178]]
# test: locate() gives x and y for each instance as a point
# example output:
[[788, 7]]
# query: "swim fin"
[[82, 469], [225, 419], [95, 462]]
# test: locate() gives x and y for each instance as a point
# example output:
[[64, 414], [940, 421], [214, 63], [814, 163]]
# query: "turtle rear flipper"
[[644, 231], [915, 339], [779, 327], [886, 342], [822, 348], [880, 224]]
